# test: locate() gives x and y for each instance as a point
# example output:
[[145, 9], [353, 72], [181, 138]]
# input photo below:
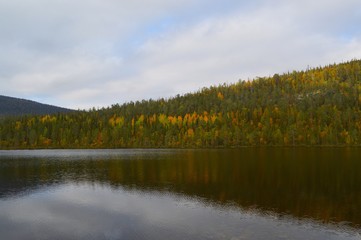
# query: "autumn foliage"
[[320, 106]]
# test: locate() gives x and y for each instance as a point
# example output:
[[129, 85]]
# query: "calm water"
[[250, 193]]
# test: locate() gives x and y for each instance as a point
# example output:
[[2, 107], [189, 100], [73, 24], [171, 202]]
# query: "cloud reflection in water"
[[151, 194], [87, 211]]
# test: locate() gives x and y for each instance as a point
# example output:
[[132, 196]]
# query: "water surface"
[[250, 193]]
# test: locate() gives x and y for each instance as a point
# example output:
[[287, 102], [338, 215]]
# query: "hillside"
[[319, 106], [10, 106]]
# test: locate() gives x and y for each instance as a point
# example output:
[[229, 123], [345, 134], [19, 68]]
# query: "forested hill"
[[10, 106], [319, 106]]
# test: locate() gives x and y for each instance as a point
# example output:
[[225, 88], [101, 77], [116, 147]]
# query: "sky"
[[95, 53]]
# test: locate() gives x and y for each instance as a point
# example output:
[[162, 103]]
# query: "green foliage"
[[320, 106]]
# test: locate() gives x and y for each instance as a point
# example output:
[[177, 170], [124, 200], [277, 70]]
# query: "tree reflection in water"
[[319, 183]]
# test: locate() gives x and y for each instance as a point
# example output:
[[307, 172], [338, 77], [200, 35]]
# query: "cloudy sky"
[[86, 53]]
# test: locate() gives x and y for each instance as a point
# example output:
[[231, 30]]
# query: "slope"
[[318, 107], [10, 106]]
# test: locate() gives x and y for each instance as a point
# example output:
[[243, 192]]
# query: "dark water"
[[250, 193]]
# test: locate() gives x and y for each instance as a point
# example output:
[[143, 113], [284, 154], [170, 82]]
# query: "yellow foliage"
[[47, 118], [346, 136], [140, 120], [152, 119], [116, 121], [173, 120], [205, 118], [17, 125], [111, 122], [180, 121], [213, 118], [119, 121], [190, 132], [194, 117], [163, 119]]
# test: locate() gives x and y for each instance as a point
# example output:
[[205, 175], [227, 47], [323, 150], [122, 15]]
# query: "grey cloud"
[[95, 53], [238, 46]]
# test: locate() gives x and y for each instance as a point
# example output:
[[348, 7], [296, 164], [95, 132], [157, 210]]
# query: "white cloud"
[[225, 49], [96, 53]]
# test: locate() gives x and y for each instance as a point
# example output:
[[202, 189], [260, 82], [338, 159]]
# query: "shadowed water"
[[250, 193]]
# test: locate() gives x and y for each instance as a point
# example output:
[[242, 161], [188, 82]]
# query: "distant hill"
[[10, 106]]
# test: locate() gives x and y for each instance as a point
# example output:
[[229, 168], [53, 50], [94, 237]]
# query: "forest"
[[318, 106]]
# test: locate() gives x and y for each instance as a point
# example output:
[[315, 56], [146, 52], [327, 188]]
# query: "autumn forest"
[[319, 106]]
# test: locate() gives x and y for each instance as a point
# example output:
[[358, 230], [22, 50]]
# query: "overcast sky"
[[86, 53]]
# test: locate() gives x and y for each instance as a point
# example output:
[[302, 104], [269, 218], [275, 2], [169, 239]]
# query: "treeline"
[[319, 106]]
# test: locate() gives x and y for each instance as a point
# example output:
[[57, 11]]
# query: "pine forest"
[[319, 107]]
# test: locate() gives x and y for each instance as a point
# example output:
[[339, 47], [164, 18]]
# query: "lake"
[[247, 193]]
